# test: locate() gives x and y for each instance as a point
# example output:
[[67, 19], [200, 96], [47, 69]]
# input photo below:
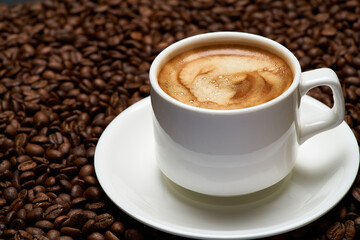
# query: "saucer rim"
[[184, 231]]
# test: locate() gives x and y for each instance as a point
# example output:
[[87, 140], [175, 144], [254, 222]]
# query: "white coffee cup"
[[235, 152]]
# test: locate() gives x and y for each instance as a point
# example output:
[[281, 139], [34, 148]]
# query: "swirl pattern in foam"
[[225, 77]]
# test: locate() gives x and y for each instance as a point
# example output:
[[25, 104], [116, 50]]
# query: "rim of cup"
[[214, 38]]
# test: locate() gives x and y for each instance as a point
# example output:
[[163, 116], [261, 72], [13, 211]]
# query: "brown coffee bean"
[[76, 191], [86, 170], [50, 181], [10, 216], [42, 200], [44, 224], [95, 206], [89, 226], [35, 214], [133, 234], [53, 234], [34, 150], [336, 231], [5, 165], [95, 236], [103, 221], [53, 154], [21, 214], [118, 228], [27, 176], [91, 180], [17, 224], [350, 230], [10, 194], [34, 230], [23, 235], [110, 236], [356, 193], [93, 194], [22, 194], [27, 166], [53, 211], [16, 204], [58, 222], [70, 231]]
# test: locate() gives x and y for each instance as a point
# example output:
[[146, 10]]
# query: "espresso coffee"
[[225, 77]]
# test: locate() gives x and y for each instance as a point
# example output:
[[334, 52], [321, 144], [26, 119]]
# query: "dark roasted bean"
[[103, 221], [336, 231], [133, 234], [70, 231], [44, 224], [35, 214], [53, 211], [10, 194], [53, 234], [93, 194], [110, 236], [95, 236]]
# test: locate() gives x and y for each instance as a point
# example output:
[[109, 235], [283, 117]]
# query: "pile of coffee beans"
[[68, 67]]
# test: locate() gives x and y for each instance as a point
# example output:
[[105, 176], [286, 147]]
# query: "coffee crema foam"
[[225, 77]]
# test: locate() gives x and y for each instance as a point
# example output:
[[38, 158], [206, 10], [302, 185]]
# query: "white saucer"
[[127, 171]]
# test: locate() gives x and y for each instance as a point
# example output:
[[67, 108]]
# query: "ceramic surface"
[[127, 170]]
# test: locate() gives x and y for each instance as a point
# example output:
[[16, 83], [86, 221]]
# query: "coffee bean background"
[[68, 67]]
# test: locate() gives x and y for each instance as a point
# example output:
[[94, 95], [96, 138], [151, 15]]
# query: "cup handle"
[[332, 117]]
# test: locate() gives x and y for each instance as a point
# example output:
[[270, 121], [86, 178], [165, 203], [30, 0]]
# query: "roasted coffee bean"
[[39, 237], [103, 221], [336, 231], [95, 206], [10, 194], [16, 204], [10, 217], [34, 230], [5, 165], [118, 228], [78, 202], [133, 234], [86, 170], [54, 155], [70, 231], [110, 236], [89, 226], [76, 191], [95, 236], [42, 200], [27, 166], [53, 211], [58, 222], [35, 214], [91, 180], [75, 218], [17, 224], [356, 193], [44, 224], [21, 213], [23, 235], [34, 149], [53, 234], [350, 230], [93, 194]]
